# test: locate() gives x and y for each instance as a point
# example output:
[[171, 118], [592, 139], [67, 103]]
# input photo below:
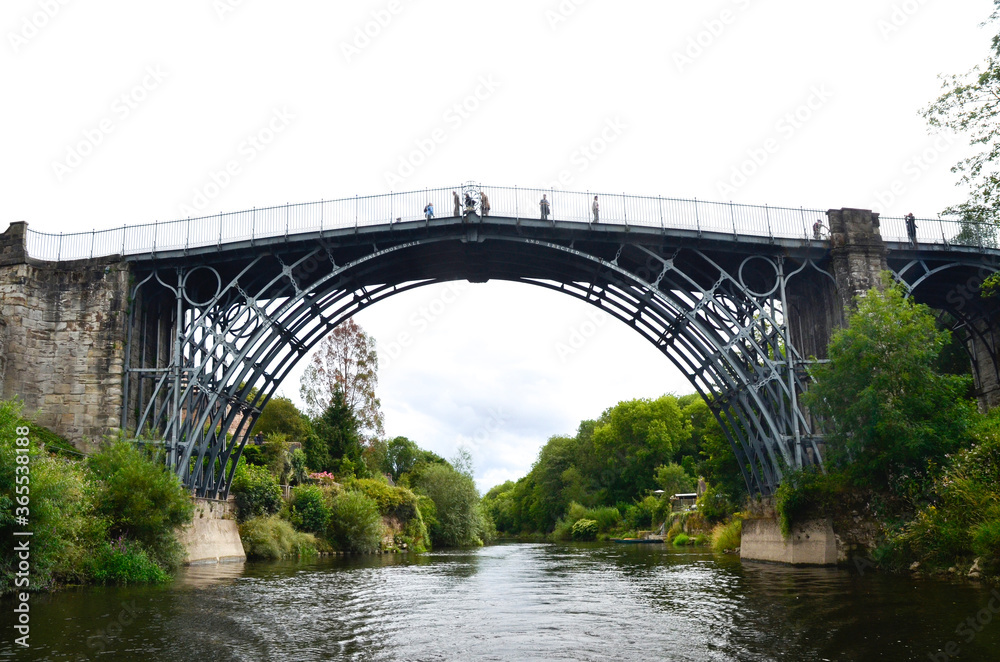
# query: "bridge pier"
[[811, 543], [62, 338]]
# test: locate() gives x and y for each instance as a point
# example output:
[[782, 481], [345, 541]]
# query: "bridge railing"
[[513, 202]]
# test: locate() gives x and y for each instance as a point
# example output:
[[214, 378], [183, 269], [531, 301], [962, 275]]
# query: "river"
[[520, 601]]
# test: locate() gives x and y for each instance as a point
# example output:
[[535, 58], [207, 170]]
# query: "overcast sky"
[[122, 112]]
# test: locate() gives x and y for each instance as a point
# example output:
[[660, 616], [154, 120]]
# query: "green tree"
[[256, 492], [887, 409], [140, 498], [672, 479], [345, 361], [337, 432], [280, 415], [635, 437], [401, 455], [968, 105], [460, 521]]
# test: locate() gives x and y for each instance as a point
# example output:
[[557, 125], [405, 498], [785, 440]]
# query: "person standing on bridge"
[[818, 229], [429, 211], [597, 210], [911, 227], [484, 203], [458, 203], [543, 204]]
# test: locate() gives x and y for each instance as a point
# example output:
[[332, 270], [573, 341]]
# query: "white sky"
[[120, 112]]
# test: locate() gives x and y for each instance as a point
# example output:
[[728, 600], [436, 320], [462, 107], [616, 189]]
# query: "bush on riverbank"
[[727, 536], [106, 519], [256, 491], [271, 538]]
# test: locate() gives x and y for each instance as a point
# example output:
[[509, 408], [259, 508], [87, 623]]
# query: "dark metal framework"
[[213, 333]]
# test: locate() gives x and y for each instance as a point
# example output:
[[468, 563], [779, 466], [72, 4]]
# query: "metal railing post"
[[732, 216], [59, 248], [92, 244]]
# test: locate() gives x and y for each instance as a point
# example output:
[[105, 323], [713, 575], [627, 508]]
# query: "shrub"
[[727, 536], [253, 455], [584, 529], [273, 538], [62, 508], [310, 509], [459, 520], [355, 523], [141, 499], [125, 562], [257, 492], [397, 502], [806, 494], [682, 539], [607, 518], [715, 505]]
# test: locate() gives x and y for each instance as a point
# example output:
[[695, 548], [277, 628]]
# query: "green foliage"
[[682, 539], [888, 411], [673, 479], [272, 538], [299, 471], [340, 444], [459, 518], [499, 504], [281, 416], [727, 536], [310, 510], [140, 499], [257, 492], [584, 529], [968, 106], [355, 523], [398, 502], [401, 456], [635, 437], [64, 528], [715, 505], [804, 495], [276, 456], [254, 455], [963, 521], [125, 562]]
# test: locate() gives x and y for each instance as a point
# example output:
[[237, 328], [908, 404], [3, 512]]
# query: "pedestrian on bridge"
[[429, 211], [911, 227], [818, 229], [484, 203], [544, 206], [458, 203], [597, 210]]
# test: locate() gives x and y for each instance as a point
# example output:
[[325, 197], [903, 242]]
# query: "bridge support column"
[[811, 543], [62, 338], [213, 536], [857, 254]]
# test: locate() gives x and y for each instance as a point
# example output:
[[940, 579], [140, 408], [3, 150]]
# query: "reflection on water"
[[514, 602]]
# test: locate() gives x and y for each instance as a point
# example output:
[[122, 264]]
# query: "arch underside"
[[247, 321], [951, 286]]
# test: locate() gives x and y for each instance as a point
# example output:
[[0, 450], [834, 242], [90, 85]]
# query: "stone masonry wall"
[[62, 339]]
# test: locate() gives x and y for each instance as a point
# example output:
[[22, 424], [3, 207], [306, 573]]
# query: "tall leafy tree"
[[970, 104], [337, 432], [634, 438], [888, 410], [345, 360]]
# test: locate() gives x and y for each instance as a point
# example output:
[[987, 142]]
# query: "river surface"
[[518, 602]]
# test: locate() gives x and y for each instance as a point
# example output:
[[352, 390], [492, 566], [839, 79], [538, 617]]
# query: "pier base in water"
[[213, 536], [811, 543]]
